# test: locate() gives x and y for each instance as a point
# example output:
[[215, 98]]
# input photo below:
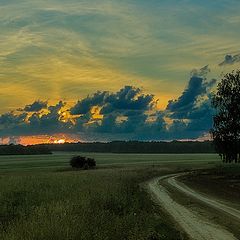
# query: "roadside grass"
[[228, 170], [97, 204], [222, 181]]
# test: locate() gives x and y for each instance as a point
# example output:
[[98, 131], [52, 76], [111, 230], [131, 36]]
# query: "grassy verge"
[[222, 181], [99, 204]]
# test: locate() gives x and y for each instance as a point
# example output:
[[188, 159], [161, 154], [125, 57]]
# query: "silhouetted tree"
[[82, 162], [91, 162], [77, 162], [226, 128]]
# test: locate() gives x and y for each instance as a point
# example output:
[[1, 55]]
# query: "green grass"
[[61, 159], [98, 204], [42, 198]]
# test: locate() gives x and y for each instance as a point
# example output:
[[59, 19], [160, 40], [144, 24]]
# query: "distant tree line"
[[24, 150], [137, 147]]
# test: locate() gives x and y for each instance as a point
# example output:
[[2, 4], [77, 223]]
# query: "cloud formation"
[[128, 114], [230, 59], [192, 113], [127, 99], [36, 106], [33, 122], [84, 106], [198, 86]]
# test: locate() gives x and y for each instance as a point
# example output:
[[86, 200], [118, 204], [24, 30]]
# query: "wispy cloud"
[[69, 48]]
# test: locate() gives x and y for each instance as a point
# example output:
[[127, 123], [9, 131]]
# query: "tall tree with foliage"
[[226, 127]]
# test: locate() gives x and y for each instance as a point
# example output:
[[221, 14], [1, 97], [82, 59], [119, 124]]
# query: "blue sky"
[[67, 49]]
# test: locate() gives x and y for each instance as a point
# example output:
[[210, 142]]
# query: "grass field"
[[42, 198], [61, 159]]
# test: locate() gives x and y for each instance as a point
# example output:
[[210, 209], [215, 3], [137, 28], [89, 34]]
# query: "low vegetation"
[[99, 204], [60, 160], [81, 162], [223, 181]]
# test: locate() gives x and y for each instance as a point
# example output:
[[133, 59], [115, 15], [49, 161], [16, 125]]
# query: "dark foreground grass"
[[98, 204]]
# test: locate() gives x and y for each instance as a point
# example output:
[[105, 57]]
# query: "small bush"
[[82, 162], [77, 162], [91, 162]]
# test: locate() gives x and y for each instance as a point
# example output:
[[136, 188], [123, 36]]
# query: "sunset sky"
[[109, 69]]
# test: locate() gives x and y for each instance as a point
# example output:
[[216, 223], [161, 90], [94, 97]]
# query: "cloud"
[[127, 99], [230, 59], [88, 43], [10, 119], [186, 101], [48, 123], [192, 113], [198, 121], [84, 106], [12, 124], [198, 86], [123, 112], [36, 106], [128, 114], [14, 140]]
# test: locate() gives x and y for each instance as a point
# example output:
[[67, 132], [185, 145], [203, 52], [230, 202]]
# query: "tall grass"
[[98, 204]]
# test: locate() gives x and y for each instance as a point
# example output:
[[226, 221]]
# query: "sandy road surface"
[[196, 226]]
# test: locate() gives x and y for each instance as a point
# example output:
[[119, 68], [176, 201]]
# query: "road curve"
[[214, 203], [196, 226]]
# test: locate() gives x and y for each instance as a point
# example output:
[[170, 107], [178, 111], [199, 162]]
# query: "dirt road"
[[195, 225]]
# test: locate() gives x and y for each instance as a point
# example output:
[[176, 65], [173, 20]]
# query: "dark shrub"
[[91, 162], [82, 162], [86, 167], [77, 162]]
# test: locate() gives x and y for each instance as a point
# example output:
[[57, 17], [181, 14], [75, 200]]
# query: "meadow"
[[42, 198], [61, 160]]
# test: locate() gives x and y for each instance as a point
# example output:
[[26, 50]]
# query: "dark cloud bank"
[[128, 114]]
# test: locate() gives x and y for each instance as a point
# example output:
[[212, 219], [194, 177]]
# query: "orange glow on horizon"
[[60, 141], [46, 139]]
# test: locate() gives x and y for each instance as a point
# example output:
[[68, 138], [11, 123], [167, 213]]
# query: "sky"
[[102, 70]]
